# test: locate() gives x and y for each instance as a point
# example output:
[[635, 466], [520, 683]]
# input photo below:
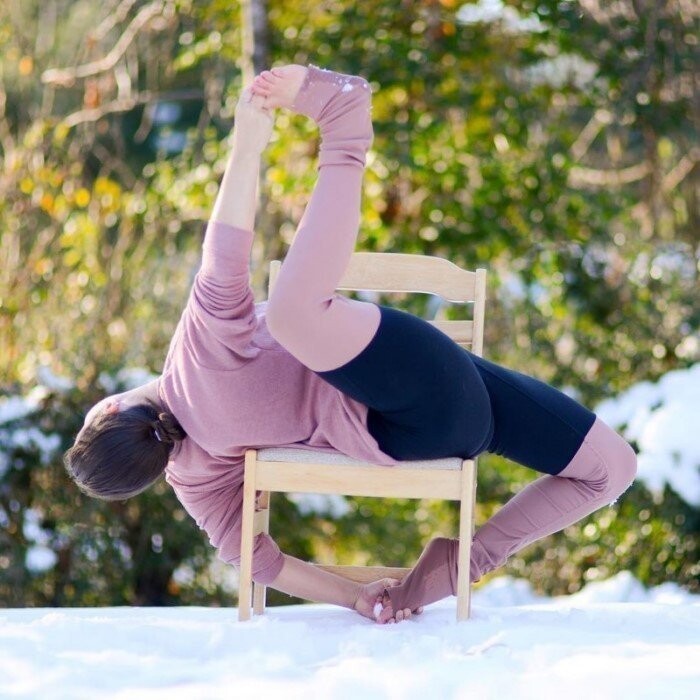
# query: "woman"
[[314, 368]]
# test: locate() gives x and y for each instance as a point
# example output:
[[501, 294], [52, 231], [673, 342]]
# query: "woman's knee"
[[625, 468], [285, 316], [617, 456]]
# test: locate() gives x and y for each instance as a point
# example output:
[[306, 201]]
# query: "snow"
[[489, 11], [126, 379], [15, 407], [321, 504], [611, 640], [663, 419], [45, 377]]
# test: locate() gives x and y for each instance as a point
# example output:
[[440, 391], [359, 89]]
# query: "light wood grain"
[[366, 574], [381, 482]]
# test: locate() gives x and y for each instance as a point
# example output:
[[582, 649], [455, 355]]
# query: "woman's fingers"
[[385, 616], [388, 617]]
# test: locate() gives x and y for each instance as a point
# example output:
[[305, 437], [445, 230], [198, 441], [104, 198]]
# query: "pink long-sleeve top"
[[233, 387]]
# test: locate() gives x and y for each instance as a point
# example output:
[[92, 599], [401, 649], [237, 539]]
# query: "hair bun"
[[167, 429]]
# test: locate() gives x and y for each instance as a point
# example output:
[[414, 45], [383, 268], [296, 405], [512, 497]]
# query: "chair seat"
[[292, 454]]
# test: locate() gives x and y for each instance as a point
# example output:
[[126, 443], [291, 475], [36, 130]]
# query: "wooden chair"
[[312, 471]]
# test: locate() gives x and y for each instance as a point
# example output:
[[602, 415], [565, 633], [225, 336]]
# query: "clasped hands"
[[374, 603]]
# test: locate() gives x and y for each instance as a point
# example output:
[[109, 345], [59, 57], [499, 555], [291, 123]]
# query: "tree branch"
[[125, 104], [678, 173], [107, 24], [600, 118], [66, 76], [579, 176], [611, 15]]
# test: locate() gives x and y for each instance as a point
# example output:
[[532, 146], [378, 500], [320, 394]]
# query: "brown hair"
[[120, 454]]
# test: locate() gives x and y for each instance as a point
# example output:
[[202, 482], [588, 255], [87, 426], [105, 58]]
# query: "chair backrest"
[[401, 272]]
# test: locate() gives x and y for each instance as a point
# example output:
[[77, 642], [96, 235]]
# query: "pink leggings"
[[325, 330]]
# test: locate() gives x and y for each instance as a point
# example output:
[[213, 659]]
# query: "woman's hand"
[[253, 123], [370, 594], [372, 603]]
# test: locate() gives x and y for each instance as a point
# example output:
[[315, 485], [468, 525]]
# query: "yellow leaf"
[[46, 202], [43, 266], [26, 65], [82, 197], [60, 133]]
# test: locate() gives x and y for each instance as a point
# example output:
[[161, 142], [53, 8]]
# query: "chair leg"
[[259, 589], [247, 524], [466, 521]]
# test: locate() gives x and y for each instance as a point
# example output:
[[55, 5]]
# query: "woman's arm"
[[237, 199], [211, 492], [220, 317], [304, 580]]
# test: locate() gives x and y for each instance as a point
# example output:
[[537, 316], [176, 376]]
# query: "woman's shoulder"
[[191, 461]]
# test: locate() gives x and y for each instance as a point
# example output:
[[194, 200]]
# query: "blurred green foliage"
[[555, 146]]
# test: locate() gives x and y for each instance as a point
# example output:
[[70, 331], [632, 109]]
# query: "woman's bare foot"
[[280, 86]]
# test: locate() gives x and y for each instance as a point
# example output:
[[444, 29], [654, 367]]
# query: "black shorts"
[[430, 398]]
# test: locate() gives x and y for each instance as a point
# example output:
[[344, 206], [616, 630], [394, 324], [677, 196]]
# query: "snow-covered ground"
[[614, 639]]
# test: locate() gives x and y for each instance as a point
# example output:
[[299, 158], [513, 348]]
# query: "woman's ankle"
[[321, 86]]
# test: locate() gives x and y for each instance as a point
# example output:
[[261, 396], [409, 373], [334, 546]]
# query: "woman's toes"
[[280, 85]]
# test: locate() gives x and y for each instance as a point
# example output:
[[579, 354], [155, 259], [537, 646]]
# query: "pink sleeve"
[[221, 305], [216, 504]]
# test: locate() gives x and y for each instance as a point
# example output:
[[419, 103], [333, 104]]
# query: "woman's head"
[[120, 453]]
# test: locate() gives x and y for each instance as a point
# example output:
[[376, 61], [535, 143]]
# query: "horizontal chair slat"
[[384, 482], [366, 574], [316, 456], [403, 272], [460, 331]]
